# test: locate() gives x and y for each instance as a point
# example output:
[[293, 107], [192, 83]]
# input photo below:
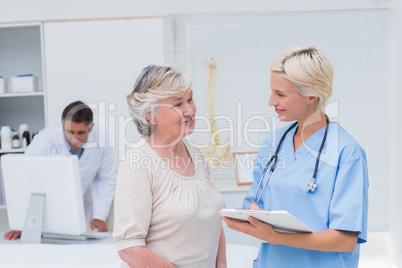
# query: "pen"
[[253, 201]]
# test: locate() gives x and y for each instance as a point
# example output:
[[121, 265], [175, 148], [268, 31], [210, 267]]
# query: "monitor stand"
[[32, 230]]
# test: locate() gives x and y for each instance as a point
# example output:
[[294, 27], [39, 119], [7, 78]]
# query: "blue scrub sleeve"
[[349, 204]]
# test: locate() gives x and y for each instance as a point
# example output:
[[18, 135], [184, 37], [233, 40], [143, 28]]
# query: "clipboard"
[[280, 220]]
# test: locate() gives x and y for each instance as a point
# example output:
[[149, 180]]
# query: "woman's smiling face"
[[175, 117]]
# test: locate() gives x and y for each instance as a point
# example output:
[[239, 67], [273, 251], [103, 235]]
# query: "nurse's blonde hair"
[[309, 70]]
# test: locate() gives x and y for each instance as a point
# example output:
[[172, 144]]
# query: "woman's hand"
[[141, 256]]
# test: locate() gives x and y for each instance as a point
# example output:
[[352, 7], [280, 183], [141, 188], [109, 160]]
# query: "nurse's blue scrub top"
[[339, 202]]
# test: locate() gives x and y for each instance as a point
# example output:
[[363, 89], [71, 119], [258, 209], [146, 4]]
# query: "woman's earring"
[[154, 123]]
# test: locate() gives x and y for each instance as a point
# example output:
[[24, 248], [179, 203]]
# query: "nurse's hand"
[[262, 231], [101, 225], [254, 228], [253, 206]]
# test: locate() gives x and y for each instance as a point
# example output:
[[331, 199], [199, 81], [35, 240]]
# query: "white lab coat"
[[97, 167]]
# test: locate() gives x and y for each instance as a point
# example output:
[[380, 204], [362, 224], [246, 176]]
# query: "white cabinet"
[[21, 52]]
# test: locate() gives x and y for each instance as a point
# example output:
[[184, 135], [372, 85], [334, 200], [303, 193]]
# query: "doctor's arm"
[[12, 235], [328, 240], [103, 190], [40, 145]]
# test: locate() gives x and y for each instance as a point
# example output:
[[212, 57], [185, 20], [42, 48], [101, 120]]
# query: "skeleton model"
[[218, 152]]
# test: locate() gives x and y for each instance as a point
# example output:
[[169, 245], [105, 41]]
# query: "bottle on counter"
[[6, 137], [24, 143], [26, 136], [16, 142], [21, 129], [33, 134]]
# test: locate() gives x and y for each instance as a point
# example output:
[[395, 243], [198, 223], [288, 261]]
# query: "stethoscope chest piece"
[[311, 186]]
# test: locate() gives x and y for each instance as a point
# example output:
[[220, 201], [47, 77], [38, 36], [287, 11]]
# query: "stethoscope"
[[311, 185]]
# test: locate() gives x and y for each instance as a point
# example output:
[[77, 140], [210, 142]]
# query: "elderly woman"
[[166, 204], [324, 182]]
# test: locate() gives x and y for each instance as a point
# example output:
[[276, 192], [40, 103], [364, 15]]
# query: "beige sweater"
[[174, 216]]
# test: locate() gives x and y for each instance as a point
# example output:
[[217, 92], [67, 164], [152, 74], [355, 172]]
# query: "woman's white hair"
[[310, 72], [154, 83]]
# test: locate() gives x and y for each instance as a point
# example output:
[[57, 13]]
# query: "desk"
[[90, 254], [77, 254]]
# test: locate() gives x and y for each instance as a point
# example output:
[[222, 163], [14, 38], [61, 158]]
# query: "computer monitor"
[[50, 184]]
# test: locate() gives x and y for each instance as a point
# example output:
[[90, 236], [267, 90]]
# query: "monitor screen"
[[56, 178]]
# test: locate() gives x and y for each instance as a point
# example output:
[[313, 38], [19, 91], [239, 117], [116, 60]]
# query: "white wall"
[[395, 82], [44, 10], [98, 62]]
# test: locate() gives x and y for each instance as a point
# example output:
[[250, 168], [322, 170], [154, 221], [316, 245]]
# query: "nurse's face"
[[76, 134], [288, 103], [175, 118]]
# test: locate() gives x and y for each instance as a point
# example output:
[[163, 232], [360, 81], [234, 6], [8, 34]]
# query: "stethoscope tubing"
[[274, 159], [321, 146]]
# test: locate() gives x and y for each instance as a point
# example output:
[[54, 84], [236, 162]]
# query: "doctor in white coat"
[[77, 135]]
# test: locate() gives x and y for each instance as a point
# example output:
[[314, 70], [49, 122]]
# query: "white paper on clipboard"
[[280, 220]]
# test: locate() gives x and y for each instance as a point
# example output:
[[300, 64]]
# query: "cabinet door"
[[98, 62]]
